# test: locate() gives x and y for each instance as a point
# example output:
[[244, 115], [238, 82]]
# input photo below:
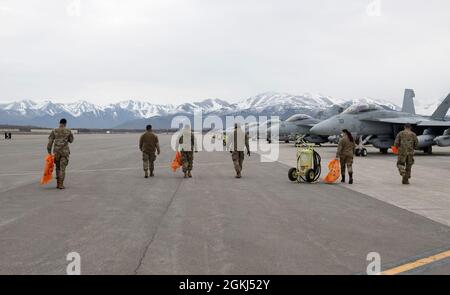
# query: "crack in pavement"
[[135, 272]]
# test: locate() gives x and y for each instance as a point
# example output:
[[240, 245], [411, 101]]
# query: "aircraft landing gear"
[[361, 152], [364, 152]]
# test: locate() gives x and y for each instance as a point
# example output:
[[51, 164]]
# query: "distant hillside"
[[136, 114]]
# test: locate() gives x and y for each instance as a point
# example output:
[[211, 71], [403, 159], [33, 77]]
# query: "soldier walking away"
[[345, 152], [149, 144], [406, 142], [188, 145], [236, 143], [59, 140]]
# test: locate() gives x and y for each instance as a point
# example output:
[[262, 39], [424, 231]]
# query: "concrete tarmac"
[[121, 223], [377, 176]]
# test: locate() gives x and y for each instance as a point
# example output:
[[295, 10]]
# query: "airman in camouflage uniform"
[[236, 143], [345, 151], [149, 144], [59, 140], [187, 150], [406, 142]]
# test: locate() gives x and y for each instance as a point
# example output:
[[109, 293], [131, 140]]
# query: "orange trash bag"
[[176, 163], [48, 169], [394, 150], [335, 171]]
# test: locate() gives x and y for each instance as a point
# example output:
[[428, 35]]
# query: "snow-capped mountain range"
[[134, 114]]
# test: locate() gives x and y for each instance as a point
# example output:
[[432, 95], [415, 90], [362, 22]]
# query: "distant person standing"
[[10, 135], [237, 141], [188, 146], [345, 152], [6, 135], [149, 144], [406, 142], [59, 140]]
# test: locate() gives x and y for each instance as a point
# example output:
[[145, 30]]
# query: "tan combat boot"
[[151, 173], [146, 173], [57, 183], [61, 184], [185, 175], [189, 174], [238, 175]]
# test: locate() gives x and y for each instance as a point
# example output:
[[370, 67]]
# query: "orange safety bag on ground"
[[48, 169], [176, 163], [394, 150], [335, 171]]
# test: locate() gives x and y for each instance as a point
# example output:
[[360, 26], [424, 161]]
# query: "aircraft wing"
[[434, 124], [404, 120], [412, 121]]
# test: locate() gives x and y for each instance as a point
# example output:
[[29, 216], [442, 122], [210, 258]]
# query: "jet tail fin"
[[408, 102], [442, 109]]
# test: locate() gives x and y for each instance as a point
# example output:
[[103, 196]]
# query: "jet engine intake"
[[425, 140], [382, 142], [317, 139]]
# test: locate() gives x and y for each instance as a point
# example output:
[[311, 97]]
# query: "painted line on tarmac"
[[416, 264]]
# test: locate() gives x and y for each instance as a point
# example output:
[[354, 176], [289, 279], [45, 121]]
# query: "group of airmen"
[[186, 143], [61, 137], [406, 142]]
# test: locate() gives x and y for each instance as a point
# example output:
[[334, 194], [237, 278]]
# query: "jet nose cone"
[[319, 129], [327, 127]]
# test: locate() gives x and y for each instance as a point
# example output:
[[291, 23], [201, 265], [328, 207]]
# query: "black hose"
[[317, 166]]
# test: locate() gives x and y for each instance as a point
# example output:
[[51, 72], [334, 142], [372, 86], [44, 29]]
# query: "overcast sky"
[[171, 51]]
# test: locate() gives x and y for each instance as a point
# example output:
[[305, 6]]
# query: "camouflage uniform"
[[187, 152], [237, 151], [149, 144], [59, 140], [187, 157], [345, 153], [406, 142]]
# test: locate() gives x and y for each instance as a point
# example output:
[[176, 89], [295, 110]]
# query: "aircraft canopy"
[[362, 108], [298, 117]]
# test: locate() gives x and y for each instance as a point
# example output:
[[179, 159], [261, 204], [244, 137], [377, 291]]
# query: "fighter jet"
[[296, 125], [300, 124], [379, 126]]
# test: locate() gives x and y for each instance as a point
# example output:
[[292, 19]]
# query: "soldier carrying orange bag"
[[59, 140]]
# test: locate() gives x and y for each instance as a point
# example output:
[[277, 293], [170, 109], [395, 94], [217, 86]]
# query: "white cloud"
[[171, 50]]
